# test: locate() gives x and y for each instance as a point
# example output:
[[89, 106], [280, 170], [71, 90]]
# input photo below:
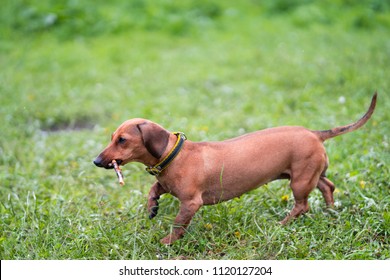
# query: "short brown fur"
[[211, 172]]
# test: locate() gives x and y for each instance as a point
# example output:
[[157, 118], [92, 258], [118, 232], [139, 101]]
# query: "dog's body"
[[207, 173]]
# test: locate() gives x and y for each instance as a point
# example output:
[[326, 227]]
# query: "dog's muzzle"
[[99, 162]]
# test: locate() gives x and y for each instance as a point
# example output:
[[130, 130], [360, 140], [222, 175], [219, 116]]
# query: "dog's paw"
[[286, 220], [153, 212], [168, 240], [152, 207], [176, 234]]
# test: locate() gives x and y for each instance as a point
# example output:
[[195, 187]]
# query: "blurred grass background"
[[72, 71]]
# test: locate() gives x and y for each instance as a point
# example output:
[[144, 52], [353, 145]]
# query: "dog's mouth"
[[100, 162], [111, 166]]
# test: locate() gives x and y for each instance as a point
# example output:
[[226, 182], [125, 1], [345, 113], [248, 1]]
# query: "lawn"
[[71, 73]]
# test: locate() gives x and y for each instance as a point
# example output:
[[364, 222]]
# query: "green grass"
[[213, 71]]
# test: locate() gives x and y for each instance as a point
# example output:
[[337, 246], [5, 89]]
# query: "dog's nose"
[[98, 162]]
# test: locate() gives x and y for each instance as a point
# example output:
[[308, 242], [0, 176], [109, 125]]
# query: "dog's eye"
[[121, 140]]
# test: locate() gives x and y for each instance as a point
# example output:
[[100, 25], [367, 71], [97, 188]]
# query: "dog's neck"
[[171, 151]]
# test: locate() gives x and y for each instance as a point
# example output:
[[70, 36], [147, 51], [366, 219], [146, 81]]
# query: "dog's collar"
[[159, 167]]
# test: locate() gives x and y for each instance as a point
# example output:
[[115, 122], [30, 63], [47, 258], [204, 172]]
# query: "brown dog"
[[207, 173]]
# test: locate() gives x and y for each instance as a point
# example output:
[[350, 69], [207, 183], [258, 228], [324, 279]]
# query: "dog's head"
[[135, 140]]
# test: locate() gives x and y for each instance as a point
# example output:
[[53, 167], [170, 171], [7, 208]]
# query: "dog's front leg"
[[154, 195], [183, 219]]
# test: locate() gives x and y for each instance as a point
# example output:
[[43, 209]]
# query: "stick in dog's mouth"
[[118, 172]]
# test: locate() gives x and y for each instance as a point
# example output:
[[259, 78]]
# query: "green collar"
[[159, 167]]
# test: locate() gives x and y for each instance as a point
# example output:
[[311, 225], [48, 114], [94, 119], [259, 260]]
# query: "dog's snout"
[[98, 162], [103, 162]]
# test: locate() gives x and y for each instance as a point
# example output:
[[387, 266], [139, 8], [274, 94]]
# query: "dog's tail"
[[326, 134]]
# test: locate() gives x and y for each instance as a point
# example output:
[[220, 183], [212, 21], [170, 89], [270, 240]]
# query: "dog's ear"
[[154, 137]]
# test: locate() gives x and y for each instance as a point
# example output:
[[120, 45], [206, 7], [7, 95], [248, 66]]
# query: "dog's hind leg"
[[302, 183], [327, 188], [301, 206]]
